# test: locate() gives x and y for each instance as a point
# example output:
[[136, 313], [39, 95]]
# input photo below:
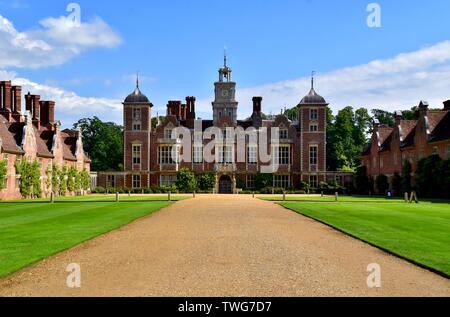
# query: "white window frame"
[[197, 154], [137, 180], [136, 155], [167, 180], [313, 127], [165, 155], [313, 155], [250, 181], [314, 114], [282, 181], [313, 181], [252, 154]]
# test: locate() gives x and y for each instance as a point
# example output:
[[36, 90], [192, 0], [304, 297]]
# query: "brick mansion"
[[300, 152], [35, 136], [408, 140]]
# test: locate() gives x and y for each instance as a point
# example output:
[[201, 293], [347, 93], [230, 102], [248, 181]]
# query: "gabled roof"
[[69, 144], [434, 118], [11, 136], [44, 141], [442, 130]]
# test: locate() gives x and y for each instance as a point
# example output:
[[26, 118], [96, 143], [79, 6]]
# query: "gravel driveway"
[[224, 246]]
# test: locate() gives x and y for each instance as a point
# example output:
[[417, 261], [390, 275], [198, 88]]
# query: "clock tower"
[[225, 104]]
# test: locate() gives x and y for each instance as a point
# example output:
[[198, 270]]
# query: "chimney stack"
[[5, 90], [423, 108], [192, 113], [16, 103], [47, 112], [398, 116], [183, 111], [447, 105], [257, 101]]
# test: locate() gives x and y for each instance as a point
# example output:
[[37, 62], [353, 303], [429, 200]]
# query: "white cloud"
[[391, 84], [54, 43]]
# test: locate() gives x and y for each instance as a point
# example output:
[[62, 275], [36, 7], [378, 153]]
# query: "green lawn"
[[419, 233], [30, 232]]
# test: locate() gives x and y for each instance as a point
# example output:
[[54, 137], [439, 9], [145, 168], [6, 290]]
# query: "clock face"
[[225, 93]]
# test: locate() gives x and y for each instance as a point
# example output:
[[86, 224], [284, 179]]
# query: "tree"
[[406, 177], [347, 149], [71, 179], [207, 181], [362, 180], [428, 175], [384, 117], [63, 181], [397, 184], [30, 178], [263, 181], [186, 181], [155, 121], [3, 173], [85, 180], [382, 183], [103, 141], [56, 179]]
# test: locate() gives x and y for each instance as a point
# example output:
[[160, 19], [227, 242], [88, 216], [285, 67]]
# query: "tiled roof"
[[384, 133], [44, 141], [9, 133], [442, 130], [69, 145], [434, 117], [407, 127]]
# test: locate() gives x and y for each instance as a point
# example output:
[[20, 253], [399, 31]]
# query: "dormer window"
[[167, 133], [284, 134]]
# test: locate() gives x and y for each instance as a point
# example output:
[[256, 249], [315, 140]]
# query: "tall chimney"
[[183, 111], [51, 112], [257, 104], [423, 108], [6, 95], [17, 98], [188, 107], [43, 110], [36, 106], [398, 116], [28, 103], [16, 103], [447, 105], [193, 99]]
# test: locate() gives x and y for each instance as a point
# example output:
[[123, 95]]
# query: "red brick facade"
[[34, 136], [146, 165], [408, 140]]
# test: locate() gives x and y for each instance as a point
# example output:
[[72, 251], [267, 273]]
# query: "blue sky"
[[273, 46]]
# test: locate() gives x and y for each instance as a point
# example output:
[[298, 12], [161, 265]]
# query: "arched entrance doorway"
[[225, 185]]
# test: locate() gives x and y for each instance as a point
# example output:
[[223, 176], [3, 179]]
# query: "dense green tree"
[[362, 180], [85, 180], [186, 181], [103, 141], [30, 178], [397, 184], [384, 117], [406, 177], [428, 176], [207, 181], [263, 181], [155, 121], [382, 183], [348, 137]]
